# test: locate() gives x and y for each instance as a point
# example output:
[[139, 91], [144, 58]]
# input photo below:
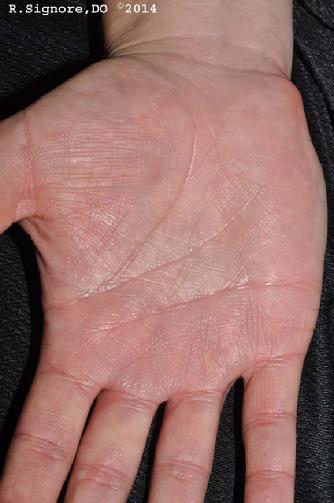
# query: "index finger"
[[47, 437]]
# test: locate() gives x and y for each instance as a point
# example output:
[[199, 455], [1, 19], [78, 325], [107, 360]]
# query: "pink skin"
[[178, 210]]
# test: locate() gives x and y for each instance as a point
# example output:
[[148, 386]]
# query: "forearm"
[[247, 33]]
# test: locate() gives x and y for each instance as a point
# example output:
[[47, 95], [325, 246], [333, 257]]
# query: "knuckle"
[[269, 476], [131, 404], [183, 470], [84, 385], [269, 419], [285, 359], [102, 474], [203, 398], [42, 447]]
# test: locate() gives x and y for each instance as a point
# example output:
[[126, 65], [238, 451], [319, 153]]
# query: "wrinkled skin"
[[178, 210]]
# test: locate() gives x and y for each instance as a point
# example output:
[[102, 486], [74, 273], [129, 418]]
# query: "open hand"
[[178, 213]]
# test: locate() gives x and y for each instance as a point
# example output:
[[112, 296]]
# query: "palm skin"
[[178, 211]]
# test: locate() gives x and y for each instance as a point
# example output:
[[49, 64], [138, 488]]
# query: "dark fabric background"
[[36, 54]]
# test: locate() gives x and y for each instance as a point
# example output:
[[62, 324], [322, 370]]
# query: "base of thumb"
[[16, 180]]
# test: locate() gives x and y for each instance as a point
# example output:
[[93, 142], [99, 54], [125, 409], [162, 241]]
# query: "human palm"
[[178, 213]]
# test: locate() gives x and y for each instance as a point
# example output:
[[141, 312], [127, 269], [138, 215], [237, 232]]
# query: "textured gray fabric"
[[314, 75]]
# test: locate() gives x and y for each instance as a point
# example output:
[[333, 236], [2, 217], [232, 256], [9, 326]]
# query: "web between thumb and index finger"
[[17, 189]]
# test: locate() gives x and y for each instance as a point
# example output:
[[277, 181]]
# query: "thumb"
[[16, 171]]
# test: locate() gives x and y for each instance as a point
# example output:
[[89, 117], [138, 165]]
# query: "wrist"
[[252, 34]]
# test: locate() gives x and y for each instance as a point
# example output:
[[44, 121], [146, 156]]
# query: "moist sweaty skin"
[[171, 216]]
